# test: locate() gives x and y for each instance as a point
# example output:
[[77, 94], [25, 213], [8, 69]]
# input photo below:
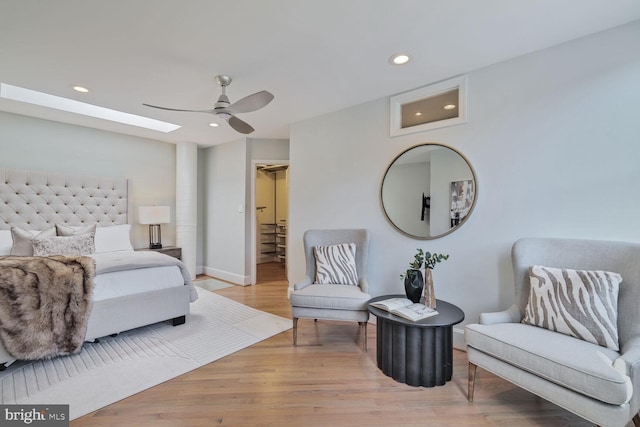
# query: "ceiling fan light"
[[227, 111]]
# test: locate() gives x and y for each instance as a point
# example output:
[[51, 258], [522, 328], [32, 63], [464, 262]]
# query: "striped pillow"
[[336, 264], [579, 303]]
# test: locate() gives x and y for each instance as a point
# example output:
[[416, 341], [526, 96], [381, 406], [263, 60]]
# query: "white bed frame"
[[38, 200]]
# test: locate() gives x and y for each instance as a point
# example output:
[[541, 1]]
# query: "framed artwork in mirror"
[[462, 196], [434, 106]]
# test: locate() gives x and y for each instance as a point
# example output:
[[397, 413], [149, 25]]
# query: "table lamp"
[[154, 216]]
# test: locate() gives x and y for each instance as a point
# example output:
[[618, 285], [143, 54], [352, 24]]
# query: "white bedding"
[[121, 283], [133, 280], [123, 273]]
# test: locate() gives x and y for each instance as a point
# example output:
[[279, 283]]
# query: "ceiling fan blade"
[[251, 103], [177, 109], [240, 125]]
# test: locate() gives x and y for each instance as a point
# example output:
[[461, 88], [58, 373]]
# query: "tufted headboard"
[[35, 200]]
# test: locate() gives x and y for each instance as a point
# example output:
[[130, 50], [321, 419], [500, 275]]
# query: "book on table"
[[406, 308]]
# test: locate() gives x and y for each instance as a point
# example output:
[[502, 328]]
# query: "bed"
[[131, 288]]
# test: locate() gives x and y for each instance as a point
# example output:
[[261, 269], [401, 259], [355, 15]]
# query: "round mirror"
[[428, 191]]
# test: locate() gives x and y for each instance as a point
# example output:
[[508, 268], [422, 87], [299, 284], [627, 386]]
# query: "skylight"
[[64, 104]]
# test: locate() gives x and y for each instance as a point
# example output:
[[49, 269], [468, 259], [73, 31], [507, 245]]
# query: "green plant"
[[431, 259], [426, 259]]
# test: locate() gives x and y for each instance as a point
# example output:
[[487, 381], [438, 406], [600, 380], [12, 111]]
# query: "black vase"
[[413, 285]]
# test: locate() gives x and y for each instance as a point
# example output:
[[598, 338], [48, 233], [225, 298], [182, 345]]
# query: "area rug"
[[118, 367], [212, 284]]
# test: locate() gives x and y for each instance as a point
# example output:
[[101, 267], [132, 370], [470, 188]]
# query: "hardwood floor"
[[326, 381]]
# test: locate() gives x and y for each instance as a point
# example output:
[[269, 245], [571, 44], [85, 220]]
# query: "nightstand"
[[173, 251]]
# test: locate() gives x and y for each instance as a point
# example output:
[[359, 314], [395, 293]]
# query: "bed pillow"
[[336, 264], [579, 303], [113, 238], [66, 230], [78, 244], [22, 240], [5, 242]]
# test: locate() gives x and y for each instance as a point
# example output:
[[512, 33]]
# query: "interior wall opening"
[[271, 203]]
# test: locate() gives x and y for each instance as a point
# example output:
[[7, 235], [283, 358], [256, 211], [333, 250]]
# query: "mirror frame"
[[452, 229]]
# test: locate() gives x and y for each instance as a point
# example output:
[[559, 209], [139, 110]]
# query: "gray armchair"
[[597, 383], [333, 301]]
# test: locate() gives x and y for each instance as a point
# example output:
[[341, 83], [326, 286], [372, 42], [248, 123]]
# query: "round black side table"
[[416, 353]]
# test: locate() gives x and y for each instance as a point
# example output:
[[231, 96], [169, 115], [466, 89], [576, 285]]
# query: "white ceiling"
[[314, 56]]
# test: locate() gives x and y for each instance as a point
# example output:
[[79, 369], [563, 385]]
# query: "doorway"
[[270, 199]]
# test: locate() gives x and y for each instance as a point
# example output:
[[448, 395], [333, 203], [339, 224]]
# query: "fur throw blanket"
[[44, 304]]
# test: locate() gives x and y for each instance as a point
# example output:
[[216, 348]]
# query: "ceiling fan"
[[227, 111]]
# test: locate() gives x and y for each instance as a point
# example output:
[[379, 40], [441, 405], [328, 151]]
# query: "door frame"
[[254, 223]]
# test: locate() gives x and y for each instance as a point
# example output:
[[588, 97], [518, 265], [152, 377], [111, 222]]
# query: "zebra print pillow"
[[579, 303], [336, 264]]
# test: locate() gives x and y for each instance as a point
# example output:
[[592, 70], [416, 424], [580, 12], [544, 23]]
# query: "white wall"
[[29, 143], [187, 203], [201, 223], [226, 190], [554, 138], [268, 149], [224, 211]]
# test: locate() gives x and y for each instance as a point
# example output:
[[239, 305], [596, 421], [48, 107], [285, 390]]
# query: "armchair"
[[333, 301], [597, 383]]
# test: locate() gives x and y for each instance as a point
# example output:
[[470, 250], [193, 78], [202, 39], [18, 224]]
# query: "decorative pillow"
[[5, 242], [79, 244], [113, 238], [66, 230], [336, 264], [579, 303], [22, 245]]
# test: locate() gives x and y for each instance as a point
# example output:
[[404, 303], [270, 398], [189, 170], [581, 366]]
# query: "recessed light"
[[399, 59], [418, 113], [80, 89], [29, 96], [214, 125], [449, 107]]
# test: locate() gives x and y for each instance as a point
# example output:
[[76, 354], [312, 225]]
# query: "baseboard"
[[199, 269], [229, 277], [459, 342]]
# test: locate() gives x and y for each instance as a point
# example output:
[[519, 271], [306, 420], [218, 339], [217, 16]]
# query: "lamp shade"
[[154, 215]]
